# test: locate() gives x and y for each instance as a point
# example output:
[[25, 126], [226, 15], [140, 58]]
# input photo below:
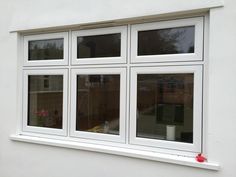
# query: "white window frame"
[[198, 41], [99, 136], [56, 62], [197, 107], [45, 130], [100, 60], [128, 65]]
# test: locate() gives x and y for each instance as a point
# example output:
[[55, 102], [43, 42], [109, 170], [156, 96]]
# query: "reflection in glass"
[[49, 49], [166, 41], [165, 106], [98, 99], [99, 46], [45, 100]]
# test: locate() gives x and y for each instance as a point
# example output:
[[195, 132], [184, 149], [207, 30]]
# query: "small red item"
[[200, 158]]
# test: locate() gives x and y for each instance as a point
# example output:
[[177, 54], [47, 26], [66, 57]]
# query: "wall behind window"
[[26, 160], [69, 12]]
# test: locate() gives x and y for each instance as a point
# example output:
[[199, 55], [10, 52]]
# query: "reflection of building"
[[98, 100], [165, 99], [45, 94], [46, 83]]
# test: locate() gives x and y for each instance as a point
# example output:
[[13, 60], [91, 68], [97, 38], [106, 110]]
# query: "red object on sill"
[[200, 158]]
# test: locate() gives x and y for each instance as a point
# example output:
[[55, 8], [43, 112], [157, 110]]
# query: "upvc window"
[[99, 46], [45, 101], [167, 41], [166, 105], [150, 99], [46, 49], [98, 105]]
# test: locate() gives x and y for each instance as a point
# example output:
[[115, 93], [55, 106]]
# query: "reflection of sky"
[[42, 44]]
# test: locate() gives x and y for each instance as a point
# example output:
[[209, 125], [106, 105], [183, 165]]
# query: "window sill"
[[160, 157]]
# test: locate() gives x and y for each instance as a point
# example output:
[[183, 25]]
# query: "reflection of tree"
[[166, 41], [99, 46], [50, 49]]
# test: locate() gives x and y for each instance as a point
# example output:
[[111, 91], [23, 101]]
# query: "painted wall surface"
[[31, 14], [27, 160]]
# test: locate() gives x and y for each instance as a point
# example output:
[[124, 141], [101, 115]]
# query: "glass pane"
[[165, 107], [99, 46], [98, 100], [166, 41], [49, 49], [45, 101]]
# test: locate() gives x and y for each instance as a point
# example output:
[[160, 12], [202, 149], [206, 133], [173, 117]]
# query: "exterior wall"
[[31, 14], [26, 160]]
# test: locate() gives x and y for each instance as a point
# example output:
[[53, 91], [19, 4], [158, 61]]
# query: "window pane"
[[45, 101], [166, 41], [99, 46], [49, 49], [165, 106], [98, 100]]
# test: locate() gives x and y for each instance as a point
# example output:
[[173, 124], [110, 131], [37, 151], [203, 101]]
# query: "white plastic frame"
[[45, 130], [198, 41], [100, 31], [197, 107], [56, 62], [91, 135]]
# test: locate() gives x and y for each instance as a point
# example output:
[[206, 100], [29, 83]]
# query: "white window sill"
[[173, 159]]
